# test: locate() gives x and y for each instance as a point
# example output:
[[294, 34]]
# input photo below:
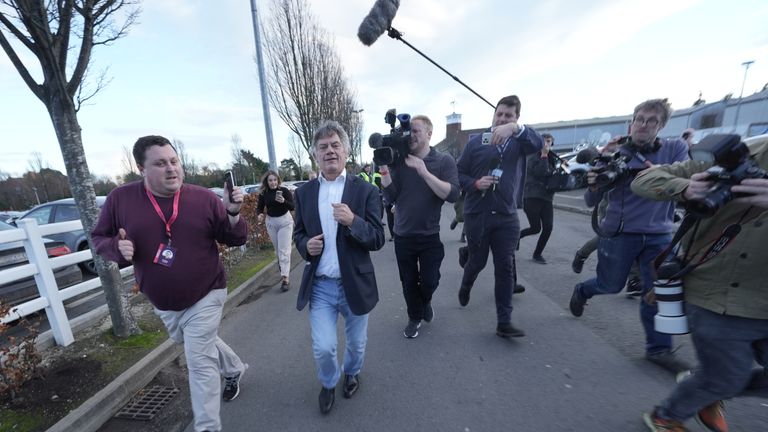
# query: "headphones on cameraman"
[[645, 149]]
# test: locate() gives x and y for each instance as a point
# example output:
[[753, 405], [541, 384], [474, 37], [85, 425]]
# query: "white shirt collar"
[[342, 176]]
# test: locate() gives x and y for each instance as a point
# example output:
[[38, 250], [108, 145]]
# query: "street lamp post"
[[360, 148], [746, 65]]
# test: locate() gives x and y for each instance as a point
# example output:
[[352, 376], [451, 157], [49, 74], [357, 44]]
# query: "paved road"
[[568, 374]]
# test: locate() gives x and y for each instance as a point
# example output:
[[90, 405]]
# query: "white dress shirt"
[[330, 193]]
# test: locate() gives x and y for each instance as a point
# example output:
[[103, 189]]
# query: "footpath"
[[457, 375]]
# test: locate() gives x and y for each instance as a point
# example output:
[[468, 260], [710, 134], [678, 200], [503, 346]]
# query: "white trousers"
[[280, 230], [208, 357]]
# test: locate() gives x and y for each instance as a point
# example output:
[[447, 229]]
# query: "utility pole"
[[263, 87], [746, 65]]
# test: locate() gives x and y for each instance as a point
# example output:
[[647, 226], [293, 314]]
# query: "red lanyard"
[[159, 212]]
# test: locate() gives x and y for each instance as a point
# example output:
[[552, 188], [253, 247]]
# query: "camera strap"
[[726, 237]]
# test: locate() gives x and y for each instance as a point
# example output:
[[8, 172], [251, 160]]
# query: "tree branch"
[[36, 88]]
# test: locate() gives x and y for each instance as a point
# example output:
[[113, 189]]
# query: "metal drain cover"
[[147, 403]]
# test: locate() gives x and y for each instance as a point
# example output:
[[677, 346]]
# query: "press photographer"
[[726, 293], [418, 181], [634, 229]]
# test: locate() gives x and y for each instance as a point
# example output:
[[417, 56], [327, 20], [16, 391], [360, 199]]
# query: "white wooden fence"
[[41, 267]]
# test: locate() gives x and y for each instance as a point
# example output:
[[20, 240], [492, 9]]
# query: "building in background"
[[573, 135]]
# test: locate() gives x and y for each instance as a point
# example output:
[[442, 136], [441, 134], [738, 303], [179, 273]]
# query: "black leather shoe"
[[327, 397], [463, 256], [464, 295], [577, 302], [351, 385], [506, 330]]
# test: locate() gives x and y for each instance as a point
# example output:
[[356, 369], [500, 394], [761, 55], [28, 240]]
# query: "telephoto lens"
[[670, 319]]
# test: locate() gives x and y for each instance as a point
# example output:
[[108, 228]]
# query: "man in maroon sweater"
[[168, 231]]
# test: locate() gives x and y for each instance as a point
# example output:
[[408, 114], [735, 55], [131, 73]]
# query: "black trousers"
[[390, 220], [540, 216], [497, 233], [418, 260]]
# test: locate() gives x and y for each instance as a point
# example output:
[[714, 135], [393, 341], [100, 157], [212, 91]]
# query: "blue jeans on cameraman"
[[727, 348], [615, 258]]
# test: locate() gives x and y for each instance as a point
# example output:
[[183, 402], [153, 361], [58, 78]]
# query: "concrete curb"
[[573, 209], [94, 412]]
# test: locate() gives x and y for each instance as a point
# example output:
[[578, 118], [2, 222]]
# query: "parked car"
[[13, 255], [579, 170], [64, 210], [294, 184], [7, 216]]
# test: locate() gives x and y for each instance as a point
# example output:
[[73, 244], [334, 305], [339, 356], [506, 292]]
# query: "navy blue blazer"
[[353, 243]]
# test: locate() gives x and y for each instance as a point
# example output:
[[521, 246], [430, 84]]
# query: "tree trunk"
[[64, 117]]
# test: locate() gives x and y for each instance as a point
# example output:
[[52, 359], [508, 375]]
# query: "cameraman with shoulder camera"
[[726, 295], [418, 188], [634, 228], [492, 172]]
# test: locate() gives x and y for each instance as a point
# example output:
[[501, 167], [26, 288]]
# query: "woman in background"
[[278, 202]]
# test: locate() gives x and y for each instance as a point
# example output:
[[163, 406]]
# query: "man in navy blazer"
[[338, 223]]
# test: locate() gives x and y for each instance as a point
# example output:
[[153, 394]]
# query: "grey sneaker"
[[669, 361], [412, 329]]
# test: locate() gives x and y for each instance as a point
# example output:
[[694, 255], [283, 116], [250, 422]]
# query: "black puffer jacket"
[[539, 169]]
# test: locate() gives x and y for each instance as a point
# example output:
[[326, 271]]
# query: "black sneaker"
[[539, 259], [464, 295], [429, 313], [506, 330], [578, 262], [232, 386], [463, 256], [518, 289], [412, 329], [577, 302], [634, 287]]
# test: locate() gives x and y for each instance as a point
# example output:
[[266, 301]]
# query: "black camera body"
[[393, 148], [610, 168], [732, 165]]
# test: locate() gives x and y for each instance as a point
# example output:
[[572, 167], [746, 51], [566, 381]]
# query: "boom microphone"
[[587, 155], [378, 20]]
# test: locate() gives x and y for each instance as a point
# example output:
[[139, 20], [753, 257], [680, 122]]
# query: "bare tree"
[[49, 30], [297, 153], [304, 73], [37, 165], [188, 163]]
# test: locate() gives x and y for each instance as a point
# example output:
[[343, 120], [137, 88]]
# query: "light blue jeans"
[[325, 305]]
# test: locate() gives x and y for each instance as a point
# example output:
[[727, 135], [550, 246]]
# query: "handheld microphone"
[[378, 20], [587, 155], [493, 165]]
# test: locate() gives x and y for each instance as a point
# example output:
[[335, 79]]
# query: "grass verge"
[[71, 375]]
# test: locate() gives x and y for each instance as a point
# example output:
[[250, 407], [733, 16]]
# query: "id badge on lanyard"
[[166, 253]]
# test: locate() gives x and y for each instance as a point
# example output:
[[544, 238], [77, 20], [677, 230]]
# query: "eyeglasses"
[[642, 121]]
